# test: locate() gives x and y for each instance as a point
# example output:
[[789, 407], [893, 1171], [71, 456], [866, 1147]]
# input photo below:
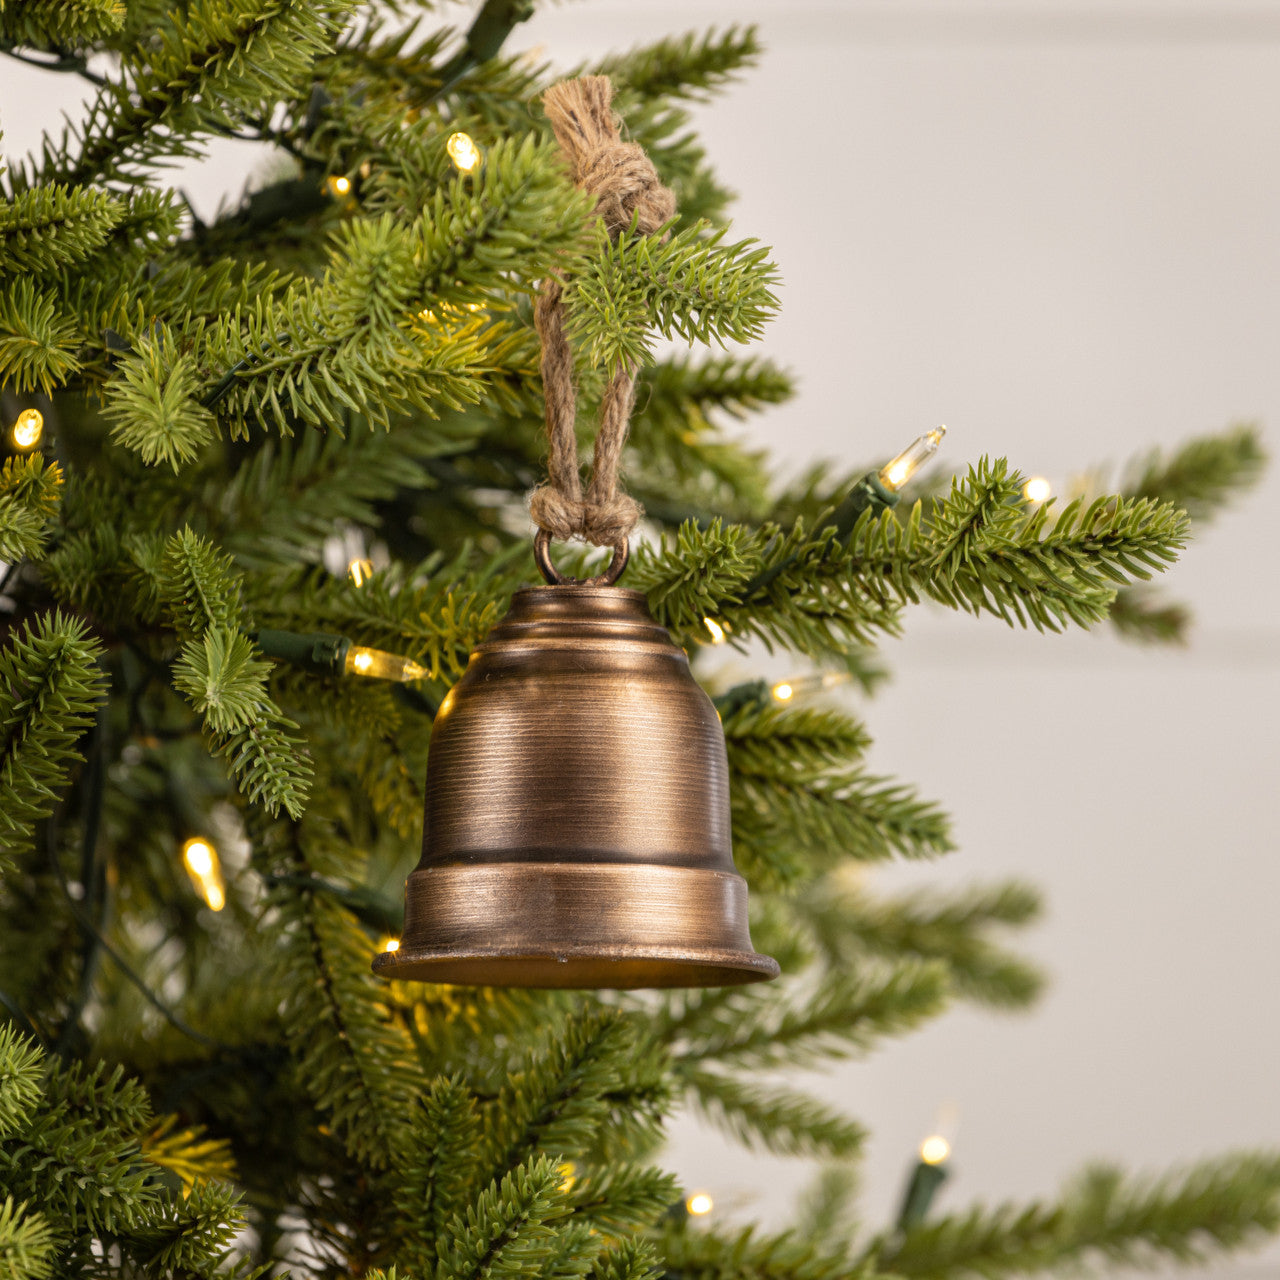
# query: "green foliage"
[[37, 344], [439, 1169], [49, 687], [204, 70], [680, 458], [1204, 475], [26, 1243], [748, 1255], [153, 407], [979, 551], [851, 926], [775, 1119], [567, 1092], [800, 803], [1185, 1217], [59, 24], [19, 1080], [29, 493], [848, 1013], [689, 286], [1137, 615], [71, 1143], [199, 584], [48, 228], [223, 679], [358, 1065], [508, 1232], [689, 66]]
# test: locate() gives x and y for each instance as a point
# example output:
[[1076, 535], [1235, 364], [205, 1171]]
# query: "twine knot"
[[603, 524], [626, 186], [619, 174]]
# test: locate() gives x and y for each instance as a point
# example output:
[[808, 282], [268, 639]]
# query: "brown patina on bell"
[[577, 818]]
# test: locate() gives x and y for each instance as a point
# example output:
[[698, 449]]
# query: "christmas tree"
[[264, 490]]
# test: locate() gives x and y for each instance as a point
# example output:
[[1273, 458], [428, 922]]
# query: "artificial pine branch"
[[27, 1242], [1204, 475], [49, 686], [49, 228], [59, 24], [206, 69], [1186, 1217], [689, 286], [851, 924], [773, 1118], [29, 493], [690, 66]]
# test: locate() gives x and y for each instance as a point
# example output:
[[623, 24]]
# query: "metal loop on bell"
[[542, 554]]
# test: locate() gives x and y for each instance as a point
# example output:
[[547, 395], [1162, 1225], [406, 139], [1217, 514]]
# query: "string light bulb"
[[1037, 489], [205, 869], [361, 571], [377, 664], [715, 630], [791, 688], [699, 1204], [28, 428], [389, 944], [339, 185], [935, 1149], [893, 475], [463, 152]]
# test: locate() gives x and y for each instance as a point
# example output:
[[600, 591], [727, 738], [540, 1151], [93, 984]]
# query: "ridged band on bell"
[[577, 827]]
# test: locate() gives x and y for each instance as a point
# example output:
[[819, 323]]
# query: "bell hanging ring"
[[577, 827]]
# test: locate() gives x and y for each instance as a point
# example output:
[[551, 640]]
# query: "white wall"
[[1052, 227]]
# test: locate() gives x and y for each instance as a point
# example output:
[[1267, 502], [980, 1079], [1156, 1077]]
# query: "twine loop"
[[626, 187]]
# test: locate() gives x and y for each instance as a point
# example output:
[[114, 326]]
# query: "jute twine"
[[625, 184]]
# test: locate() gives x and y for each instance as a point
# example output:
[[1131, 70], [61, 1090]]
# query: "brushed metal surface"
[[576, 925], [577, 826]]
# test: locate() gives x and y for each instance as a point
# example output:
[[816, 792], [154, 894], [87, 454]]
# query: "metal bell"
[[577, 816]]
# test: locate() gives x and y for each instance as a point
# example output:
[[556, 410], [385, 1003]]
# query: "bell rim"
[[590, 963]]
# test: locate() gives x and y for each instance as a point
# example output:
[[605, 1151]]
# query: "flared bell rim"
[[620, 968], [576, 925]]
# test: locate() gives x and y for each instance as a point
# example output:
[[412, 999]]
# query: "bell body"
[[577, 812]]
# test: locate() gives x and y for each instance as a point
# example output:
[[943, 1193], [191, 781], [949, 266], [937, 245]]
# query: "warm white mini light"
[[203, 866], [894, 474], [340, 185], [463, 151], [935, 1149], [28, 429], [389, 944], [198, 855], [1037, 489], [377, 664], [699, 1203], [783, 692], [361, 571], [715, 629]]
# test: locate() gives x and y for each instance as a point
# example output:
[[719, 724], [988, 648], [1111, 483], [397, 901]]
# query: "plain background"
[[1054, 228]]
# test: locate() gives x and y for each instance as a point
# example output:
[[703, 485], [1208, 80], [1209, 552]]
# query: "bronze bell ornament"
[[577, 814], [577, 826]]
